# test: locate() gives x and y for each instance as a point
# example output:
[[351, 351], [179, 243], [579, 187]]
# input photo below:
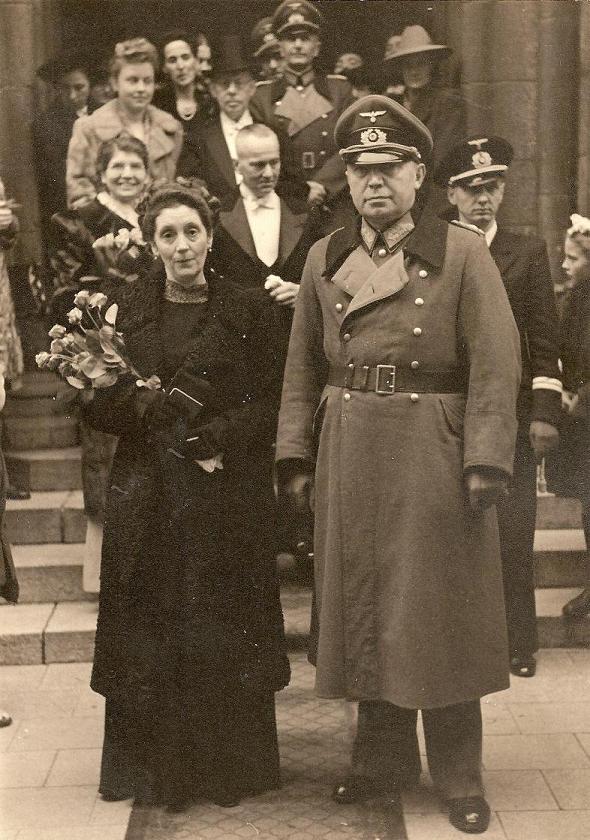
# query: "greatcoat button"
[[419, 301], [414, 365], [381, 252], [346, 337], [324, 133], [347, 396], [416, 331], [414, 397], [339, 307], [422, 273]]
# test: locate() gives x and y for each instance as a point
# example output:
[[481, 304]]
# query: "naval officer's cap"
[[296, 15], [475, 162], [375, 129]]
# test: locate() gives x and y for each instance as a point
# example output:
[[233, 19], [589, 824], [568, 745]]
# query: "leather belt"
[[392, 379]]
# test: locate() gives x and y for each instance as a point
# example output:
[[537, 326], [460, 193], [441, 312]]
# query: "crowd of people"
[[345, 337]]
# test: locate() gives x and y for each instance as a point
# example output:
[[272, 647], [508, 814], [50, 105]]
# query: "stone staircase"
[[55, 620]]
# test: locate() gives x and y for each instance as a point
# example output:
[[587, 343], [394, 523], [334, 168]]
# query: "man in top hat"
[[305, 104], [399, 395], [70, 76], [210, 151], [266, 51], [473, 174]]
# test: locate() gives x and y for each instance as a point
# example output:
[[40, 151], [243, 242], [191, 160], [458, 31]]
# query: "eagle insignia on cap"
[[481, 159], [373, 135], [372, 115]]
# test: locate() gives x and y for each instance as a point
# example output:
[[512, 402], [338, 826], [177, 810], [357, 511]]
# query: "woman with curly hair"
[[133, 69], [190, 644]]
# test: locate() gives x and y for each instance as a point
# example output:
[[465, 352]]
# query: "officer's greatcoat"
[[408, 578]]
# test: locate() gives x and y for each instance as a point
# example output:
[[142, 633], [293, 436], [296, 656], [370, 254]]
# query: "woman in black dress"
[[190, 644]]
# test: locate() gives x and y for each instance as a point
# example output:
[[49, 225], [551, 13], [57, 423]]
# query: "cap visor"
[[373, 158], [477, 177]]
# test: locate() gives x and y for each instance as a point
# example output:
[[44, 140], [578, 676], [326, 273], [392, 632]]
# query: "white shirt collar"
[[233, 126], [491, 232], [271, 201]]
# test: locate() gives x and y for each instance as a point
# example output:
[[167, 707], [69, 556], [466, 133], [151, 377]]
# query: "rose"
[[82, 298], [57, 346], [75, 316], [41, 359], [57, 331], [97, 300]]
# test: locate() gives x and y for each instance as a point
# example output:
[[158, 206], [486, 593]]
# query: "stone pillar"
[[583, 202], [519, 71], [27, 38]]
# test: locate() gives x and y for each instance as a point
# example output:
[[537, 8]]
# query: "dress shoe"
[[15, 494], [579, 606], [523, 666], [356, 788], [470, 814], [224, 797], [5, 719]]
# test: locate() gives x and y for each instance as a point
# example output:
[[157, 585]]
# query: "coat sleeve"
[[81, 163], [542, 337], [305, 371], [492, 343]]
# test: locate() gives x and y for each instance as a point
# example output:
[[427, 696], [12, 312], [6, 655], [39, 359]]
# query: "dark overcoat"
[[408, 578], [189, 597]]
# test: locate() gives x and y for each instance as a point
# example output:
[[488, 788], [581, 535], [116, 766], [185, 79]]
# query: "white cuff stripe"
[[547, 383]]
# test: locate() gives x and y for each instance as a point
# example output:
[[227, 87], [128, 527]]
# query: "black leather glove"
[[485, 487], [155, 410], [298, 492], [206, 441]]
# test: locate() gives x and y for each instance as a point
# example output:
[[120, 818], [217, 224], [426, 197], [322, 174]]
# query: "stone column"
[[27, 38], [519, 71], [583, 202]]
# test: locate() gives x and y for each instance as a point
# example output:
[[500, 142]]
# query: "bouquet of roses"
[[92, 354]]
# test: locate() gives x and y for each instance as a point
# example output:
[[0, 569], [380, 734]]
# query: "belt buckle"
[[385, 380], [308, 160]]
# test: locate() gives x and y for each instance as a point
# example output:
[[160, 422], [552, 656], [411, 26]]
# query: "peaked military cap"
[[475, 162], [375, 129], [292, 15], [263, 38]]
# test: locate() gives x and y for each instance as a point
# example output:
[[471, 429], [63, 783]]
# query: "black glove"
[[206, 441], [298, 491], [155, 410]]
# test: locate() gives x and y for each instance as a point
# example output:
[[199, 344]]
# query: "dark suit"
[[524, 266], [206, 155]]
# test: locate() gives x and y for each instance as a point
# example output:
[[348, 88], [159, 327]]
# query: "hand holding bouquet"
[[92, 354]]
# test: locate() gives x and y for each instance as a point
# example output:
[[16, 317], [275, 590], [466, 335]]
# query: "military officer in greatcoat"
[[306, 105], [266, 50], [399, 402], [473, 172]]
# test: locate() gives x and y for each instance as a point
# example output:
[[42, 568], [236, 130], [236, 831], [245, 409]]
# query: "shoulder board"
[[336, 76], [262, 82], [467, 226]]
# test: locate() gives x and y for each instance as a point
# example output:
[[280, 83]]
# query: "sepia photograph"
[[294, 419]]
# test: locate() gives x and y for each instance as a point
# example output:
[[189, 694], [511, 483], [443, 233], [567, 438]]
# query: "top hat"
[[294, 15], [263, 38], [229, 57], [475, 162], [413, 41], [376, 129], [53, 70]]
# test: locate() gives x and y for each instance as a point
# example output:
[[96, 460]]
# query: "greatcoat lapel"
[[236, 224], [359, 277]]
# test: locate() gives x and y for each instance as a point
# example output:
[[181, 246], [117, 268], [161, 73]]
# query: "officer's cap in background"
[[263, 38], [375, 129], [296, 15], [475, 162]]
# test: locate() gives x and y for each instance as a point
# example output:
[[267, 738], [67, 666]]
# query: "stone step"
[[39, 383], [44, 432], [47, 517], [560, 557], [554, 630], [50, 573], [33, 634], [45, 469], [37, 407], [558, 512]]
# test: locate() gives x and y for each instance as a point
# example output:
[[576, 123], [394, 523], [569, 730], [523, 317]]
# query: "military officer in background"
[[306, 105], [473, 172], [266, 51], [399, 397]]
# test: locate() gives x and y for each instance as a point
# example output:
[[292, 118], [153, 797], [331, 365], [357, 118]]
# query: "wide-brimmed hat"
[[413, 41], [65, 62], [375, 129], [475, 162], [229, 56]]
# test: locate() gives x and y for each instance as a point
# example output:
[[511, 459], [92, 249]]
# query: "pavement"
[[536, 759]]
